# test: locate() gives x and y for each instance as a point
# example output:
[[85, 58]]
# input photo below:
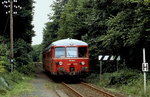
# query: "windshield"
[[83, 52], [59, 52], [71, 52]]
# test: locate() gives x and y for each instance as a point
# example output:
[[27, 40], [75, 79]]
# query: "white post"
[[144, 61], [144, 82]]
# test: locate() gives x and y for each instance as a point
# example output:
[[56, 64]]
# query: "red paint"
[[69, 65]]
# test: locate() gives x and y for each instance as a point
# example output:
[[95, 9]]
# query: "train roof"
[[68, 42]]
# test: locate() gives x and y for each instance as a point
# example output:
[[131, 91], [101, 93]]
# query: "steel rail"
[[74, 91], [56, 91], [99, 90]]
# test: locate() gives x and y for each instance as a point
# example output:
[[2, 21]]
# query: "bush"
[[3, 85], [3, 57], [2, 67], [123, 77], [27, 69], [8, 81], [127, 81]]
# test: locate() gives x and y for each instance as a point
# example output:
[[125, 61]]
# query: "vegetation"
[[8, 81], [22, 32], [22, 87], [3, 55], [37, 53], [11, 87], [126, 81], [22, 45], [112, 27]]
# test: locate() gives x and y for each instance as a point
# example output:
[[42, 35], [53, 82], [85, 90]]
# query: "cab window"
[[71, 52], [82, 52], [59, 52]]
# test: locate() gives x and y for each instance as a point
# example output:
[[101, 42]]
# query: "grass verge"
[[22, 87], [14, 83], [125, 81]]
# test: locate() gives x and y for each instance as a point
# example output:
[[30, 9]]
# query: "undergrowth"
[[9, 80], [127, 81], [22, 87]]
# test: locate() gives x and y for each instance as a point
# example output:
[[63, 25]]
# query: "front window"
[[83, 52], [71, 52], [59, 52]]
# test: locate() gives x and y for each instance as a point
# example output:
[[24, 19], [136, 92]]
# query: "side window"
[[82, 52], [59, 52]]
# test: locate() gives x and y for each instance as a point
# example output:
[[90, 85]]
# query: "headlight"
[[82, 63], [60, 63]]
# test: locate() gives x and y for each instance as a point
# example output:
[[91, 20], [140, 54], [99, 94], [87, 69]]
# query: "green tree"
[[22, 52], [4, 62], [37, 53], [50, 32], [74, 18], [23, 32], [128, 33], [114, 27]]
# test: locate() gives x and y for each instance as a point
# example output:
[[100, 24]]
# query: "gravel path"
[[42, 86]]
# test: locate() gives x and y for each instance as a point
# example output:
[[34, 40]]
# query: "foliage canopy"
[[112, 27]]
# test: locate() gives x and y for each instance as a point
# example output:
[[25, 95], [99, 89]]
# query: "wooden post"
[[11, 34]]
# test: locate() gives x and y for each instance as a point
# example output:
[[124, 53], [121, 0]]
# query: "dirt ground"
[[42, 86]]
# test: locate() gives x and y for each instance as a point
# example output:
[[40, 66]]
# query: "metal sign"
[[118, 58], [100, 57], [145, 67], [108, 57], [112, 58]]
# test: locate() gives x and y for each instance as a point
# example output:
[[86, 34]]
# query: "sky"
[[41, 11]]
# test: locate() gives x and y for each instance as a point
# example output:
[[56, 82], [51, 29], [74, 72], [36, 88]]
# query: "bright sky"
[[41, 11]]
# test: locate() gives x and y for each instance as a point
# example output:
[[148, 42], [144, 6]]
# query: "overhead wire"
[[5, 26]]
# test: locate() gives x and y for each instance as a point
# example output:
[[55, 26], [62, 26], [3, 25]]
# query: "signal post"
[[145, 68]]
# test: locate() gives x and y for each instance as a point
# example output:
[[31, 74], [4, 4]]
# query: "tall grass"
[[21, 87], [127, 81], [9, 80]]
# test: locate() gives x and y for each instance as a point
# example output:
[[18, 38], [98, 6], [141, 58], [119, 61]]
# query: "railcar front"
[[70, 57]]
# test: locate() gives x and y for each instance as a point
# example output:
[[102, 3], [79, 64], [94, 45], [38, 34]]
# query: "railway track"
[[106, 94], [85, 90], [73, 90]]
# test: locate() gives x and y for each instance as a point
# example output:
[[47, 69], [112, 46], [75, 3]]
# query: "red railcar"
[[66, 57]]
